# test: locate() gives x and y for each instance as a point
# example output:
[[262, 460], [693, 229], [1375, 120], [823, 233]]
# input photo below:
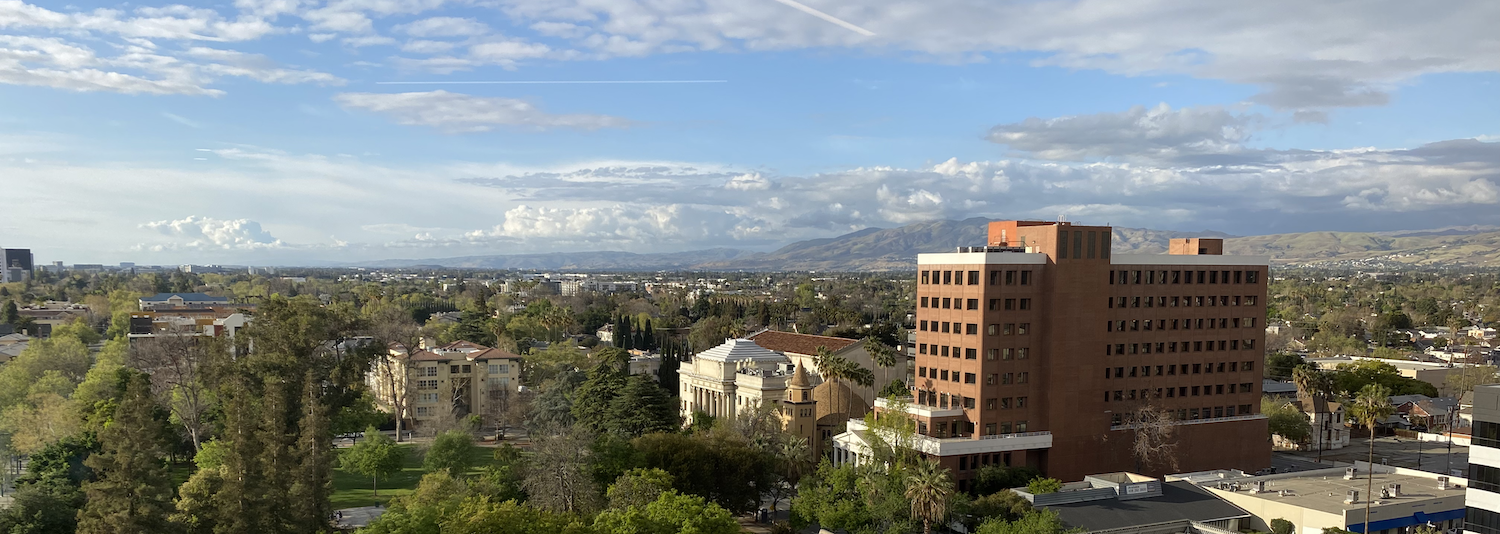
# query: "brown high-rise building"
[[1038, 348]]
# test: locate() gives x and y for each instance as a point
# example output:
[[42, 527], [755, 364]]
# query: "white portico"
[[722, 380]]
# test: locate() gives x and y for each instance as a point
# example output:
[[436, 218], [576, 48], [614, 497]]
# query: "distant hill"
[[602, 260], [1443, 247]]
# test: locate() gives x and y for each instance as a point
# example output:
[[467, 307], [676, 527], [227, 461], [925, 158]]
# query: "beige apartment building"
[[444, 383]]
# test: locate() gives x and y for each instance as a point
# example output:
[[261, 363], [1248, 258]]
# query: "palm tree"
[[883, 356], [1371, 407], [928, 487], [836, 369]]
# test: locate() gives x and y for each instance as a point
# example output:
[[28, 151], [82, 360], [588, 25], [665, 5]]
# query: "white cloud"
[[424, 46], [444, 27], [748, 182], [257, 67], [459, 113], [1140, 132], [206, 232]]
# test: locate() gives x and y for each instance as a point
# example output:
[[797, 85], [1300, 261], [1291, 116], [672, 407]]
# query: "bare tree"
[[559, 476], [178, 362], [395, 328], [1155, 443]]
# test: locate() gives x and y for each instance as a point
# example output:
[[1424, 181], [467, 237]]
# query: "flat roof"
[[1178, 501], [1324, 490]]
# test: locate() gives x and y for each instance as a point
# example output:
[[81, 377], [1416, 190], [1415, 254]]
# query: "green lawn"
[[351, 490]]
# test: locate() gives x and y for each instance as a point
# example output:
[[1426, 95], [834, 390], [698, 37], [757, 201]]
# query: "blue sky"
[[267, 132]]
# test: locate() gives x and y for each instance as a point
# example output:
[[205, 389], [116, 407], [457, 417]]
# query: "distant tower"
[[801, 413]]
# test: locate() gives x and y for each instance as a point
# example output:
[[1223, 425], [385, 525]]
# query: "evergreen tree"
[[642, 408], [132, 491], [312, 482], [667, 374], [591, 401], [623, 336]]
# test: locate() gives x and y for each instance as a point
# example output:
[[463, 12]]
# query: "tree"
[[995, 478], [558, 478], [313, 480], [1464, 379], [177, 362], [1370, 408], [837, 369], [928, 487], [1286, 420], [1155, 443], [718, 465], [394, 329], [1004, 504], [670, 513], [67, 356], [451, 451], [638, 487], [882, 355], [1042, 521], [591, 401], [375, 456], [861, 499], [641, 408], [132, 489], [1039, 486], [1282, 526], [10, 314]]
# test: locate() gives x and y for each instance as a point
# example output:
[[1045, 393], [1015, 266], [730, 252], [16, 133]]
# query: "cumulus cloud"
[[1140, 132], [207, 232], [444, 27], [617, 224], [459, 113]]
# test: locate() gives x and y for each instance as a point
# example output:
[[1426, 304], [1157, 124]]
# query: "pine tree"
[[132, 490], [313, 481], [624, 335], [591, 401], [641, 408]]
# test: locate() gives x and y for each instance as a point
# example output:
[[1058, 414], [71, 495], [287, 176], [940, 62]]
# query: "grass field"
[[352, 490]]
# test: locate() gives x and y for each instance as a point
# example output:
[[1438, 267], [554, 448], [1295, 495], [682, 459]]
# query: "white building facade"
[[1482, 498]]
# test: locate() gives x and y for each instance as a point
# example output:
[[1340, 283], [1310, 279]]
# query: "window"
[[922, 348], [1174, 304], [945, 326], [1062, 245], [1135, 277], [947, 303], [423, 411], [1078, 244], [1006, 354], [992, 329], [1021, 403], [968, 378], [973, 278], [991, 354], [1022, 353], [971, 329], [1238, 277], [943, 374], [1247, 366], [991, 379], [994, 304], [1023, 328], [1010, 328], [1021, 378], [945, 351], [1025, 304], [994, 278], [970, 354], [1092, 242], [1010, 304], [925, 278], [1007, 378], [972, 304], [1195, 391], [1005, 404], [1197, 368], [1213, 277], [432, 371], [969, 404], [923, 303], [1025, 278], [922, 372], [1251, 276], [989, 404], [922, 325], [1010, 278]]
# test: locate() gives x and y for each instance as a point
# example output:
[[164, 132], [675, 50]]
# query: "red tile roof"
[[799, 343], [493, 354], [429, 356]]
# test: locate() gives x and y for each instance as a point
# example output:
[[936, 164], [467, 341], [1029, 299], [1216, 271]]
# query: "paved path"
[[352, 518]]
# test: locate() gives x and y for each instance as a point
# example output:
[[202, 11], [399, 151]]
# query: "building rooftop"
[[1324, 490], [191, 297], [741, 350], [798, 343], [1178, 501]]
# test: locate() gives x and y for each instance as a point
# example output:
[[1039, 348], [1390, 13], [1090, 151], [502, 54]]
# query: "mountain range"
[[889, 249]]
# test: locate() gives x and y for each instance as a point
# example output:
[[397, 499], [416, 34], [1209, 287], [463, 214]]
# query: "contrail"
[[830, 18], [529, 82]]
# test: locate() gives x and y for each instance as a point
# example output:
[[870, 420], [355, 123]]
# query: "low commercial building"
[[1337, 497], [1128, 503], [161, 301], [1483, 498]]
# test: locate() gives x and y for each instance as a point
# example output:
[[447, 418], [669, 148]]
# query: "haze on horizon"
[[267, 132]]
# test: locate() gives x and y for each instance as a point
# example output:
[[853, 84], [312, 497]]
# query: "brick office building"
[[1036, 348]]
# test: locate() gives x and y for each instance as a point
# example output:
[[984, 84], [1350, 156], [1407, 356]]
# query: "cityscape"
[[754, 266]]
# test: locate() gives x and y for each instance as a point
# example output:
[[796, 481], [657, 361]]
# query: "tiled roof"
[[493, 354], [429, 356], [463, 344], [799, 343], [191, 297], [741, 350]]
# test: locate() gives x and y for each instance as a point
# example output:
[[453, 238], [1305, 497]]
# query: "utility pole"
[[1449, 430], [1323, 441]]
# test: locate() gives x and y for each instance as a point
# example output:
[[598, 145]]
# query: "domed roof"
[[832, 397], [742, 350]]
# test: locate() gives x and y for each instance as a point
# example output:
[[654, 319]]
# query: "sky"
[[285, 132]]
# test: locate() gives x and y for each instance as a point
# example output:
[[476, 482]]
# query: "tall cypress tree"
[[312, 482], [132, 491]]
